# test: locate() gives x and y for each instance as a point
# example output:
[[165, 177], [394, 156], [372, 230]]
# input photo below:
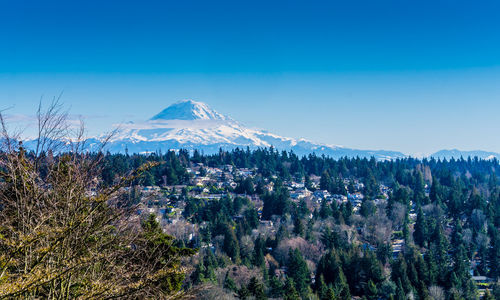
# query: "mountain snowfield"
[[191, 125]]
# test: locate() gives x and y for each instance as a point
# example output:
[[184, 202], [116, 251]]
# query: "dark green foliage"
[[326, 181], [325, 210], [419, 197], [400, 292], [243, 293], [251, 217], [246, 186], [231, 246], [371, 185], [496, 290], [161, 245], [346, 212], [329, 271], [384, 252], [322, 288], [368, 208], [494, 252], [297, 270], [290, 293], [298, 226], [420, 232], [277, 202], [256, 289], [275, 287], [258, 252], [387, 289], [457, 207], [229, 283], [371, 290]]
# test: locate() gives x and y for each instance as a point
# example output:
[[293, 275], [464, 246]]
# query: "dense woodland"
[[333, 251], [240, 224]]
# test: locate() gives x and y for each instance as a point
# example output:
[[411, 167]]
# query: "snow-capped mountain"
[[194, 125]]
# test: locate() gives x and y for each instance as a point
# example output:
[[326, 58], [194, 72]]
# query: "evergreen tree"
[[400, 293], [496, 290], [342, 287], [439, 254], [399, 274], [252, 217], [258, 255], [198, 276], [325, 210], [243, 293], [494, 252], [205, 270], [371, 186], [275, 286], [302, 209], [419, 189], [231, 246], [298, 226], [229, 283], [368, 208], [329, 270], [276, 203], [371, 290], [346, 212], [325, 182], [331, 294], [328, 238], [297, 270], [420, 232], [322, 288], [290, 293], [436, 191], [310, 237], [256, 289]]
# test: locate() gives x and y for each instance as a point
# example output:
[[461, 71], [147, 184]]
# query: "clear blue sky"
[[414, 76]]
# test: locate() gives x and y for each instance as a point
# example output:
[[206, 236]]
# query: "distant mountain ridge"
[[189, 124], [455, 153]]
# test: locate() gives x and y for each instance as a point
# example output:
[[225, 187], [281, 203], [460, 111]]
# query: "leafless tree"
[[436, 293], [310, 251], [58, 240], [478, 219], [398, 213], [210, 292]]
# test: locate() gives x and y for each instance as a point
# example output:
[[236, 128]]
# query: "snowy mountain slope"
[[194, 125]]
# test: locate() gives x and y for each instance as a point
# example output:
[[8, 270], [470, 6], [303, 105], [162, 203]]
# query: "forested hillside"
[[271, 224]]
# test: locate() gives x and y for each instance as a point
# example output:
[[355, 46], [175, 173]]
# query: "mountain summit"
[[189, 110]]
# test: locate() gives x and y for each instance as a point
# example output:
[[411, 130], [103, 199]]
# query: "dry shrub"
[[240, 274], [310, 251], [61, 236]]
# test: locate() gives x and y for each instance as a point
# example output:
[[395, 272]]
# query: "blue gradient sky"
[[414, 76]]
